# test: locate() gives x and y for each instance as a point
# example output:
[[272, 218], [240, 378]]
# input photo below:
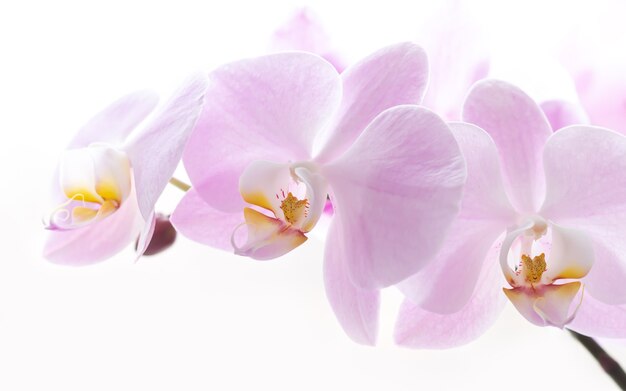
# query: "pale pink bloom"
[[543, 214], [457, 52], [394, 174], [112, 173]]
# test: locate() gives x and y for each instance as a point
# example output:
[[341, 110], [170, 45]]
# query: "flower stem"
[[608, 363], [180, 184]]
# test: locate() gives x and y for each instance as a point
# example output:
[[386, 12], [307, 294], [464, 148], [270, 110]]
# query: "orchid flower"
[[457, 52], [286, 131], [541, 223], [109, 179]]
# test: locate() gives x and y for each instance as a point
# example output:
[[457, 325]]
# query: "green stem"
[[179, 184], [608, 363]]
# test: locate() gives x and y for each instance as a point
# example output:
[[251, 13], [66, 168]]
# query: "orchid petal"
[[355, 308], [548, 305], [96, 241], [586, 190], [597, 319], [571, 255], [520, 130], [458, 57], [263, 183], [555, 303], [419, 328], [156, 150], [391, 76], [268, 238], [267, 108], [144, 236], [484, 215], [115, 122], [562, 113], [305, 32], [605, 280], [198, 221], [396, 212]]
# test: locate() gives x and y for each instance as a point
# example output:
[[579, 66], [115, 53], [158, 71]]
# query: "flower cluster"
[[515, 201]]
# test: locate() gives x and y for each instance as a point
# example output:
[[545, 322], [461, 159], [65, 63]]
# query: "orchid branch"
[[608, 363]]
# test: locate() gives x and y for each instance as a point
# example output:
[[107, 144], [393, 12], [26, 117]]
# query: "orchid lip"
[[95, 181], [285, 202]]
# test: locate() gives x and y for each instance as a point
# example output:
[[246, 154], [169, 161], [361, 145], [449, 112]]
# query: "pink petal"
[[391, 76], [143, 241], [485, 214], [520, 130], [114, 123], [157, 149], [97, 241], [356, 309], [586, 190], [562, 113], [418, 328], [396, 212], [304, 32], [199, 222], [605, 280], [267, 108], [597, 319], [458, 55]]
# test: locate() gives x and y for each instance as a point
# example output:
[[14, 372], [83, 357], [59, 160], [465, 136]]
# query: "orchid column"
[[285, 132]]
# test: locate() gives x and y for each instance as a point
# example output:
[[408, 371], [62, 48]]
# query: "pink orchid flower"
[[543, 214], [109, 179], [456, 49], [286, 131]]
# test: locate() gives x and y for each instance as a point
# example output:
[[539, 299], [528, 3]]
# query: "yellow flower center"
[[293, 208], [533, 268]]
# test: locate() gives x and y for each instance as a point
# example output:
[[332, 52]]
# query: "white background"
[[199, 319]]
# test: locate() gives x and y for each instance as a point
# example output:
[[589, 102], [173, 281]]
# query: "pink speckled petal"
[[198, 221], [267, 108], [520, 129], [418, 328], [114, 123], [485, 213], [395, 213], [586, 190], [597, 319], [156, 151], [391, 76], [356, 309]]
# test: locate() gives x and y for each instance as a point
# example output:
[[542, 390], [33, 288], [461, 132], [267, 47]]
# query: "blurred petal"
[[485, 213], [418, 328], [163, 236], [597, 319], [156, 150], [519, 128], [562, 113], [390, 76], [114, 123], [267, 108], [305, 32], [586, 190], [458, 55], [97, 241], [356, 309], [396, 212], [198, 221]]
